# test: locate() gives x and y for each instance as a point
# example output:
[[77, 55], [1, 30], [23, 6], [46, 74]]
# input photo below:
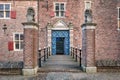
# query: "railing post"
[[80, 57], [76, 54], [73, 53], [47, 52], [39, 52], [44, 55]]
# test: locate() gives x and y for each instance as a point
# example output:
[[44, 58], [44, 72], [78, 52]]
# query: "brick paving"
[[64, 76]]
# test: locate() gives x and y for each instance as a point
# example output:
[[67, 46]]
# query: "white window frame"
[[15, 40], [86, 4], [118, 18], [59, 12], [4, 11]]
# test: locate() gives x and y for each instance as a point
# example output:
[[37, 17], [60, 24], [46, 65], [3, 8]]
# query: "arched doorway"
[[60, 37]]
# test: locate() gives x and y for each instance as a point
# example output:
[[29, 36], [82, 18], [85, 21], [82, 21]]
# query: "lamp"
[[4, 28]]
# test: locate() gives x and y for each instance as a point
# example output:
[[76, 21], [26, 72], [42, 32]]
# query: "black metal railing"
[[43, 55], [76, 54]]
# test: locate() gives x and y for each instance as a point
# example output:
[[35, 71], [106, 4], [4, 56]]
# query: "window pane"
[[1, 7], [16, 36], [62, 7], [21, 37], [7, 7], [62, 13], [7, 14], [57, 7], [17, 45], [21, 45], [1, 14], [57, 13]]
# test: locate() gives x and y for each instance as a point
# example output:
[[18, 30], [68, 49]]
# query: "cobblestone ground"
[[64, 76], [62, 63]]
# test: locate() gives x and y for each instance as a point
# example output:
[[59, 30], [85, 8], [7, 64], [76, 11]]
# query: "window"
[[18, 41], [5, 11], [119, 18], [59, 9], [87, 5]]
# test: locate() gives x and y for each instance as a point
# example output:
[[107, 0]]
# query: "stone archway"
[[59, 25]]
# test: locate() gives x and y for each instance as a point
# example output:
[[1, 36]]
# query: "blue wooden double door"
[[60, 42]]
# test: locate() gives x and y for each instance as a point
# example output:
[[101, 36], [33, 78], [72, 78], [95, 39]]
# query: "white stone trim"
[[118, 29], [86, 4], [49, 35], [83, 68], [88, 27], [30, 26], [91, 69], [71, 37], [60, 29], [49, 39], [118, 19], [30, 72]]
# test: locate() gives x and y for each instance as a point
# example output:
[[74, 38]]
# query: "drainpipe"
[[38, 21], [38, 1]]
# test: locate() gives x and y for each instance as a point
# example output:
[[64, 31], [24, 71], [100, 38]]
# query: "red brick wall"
[[104, 14], [31, 47], [13, 25], [107, 36], [73, 7]]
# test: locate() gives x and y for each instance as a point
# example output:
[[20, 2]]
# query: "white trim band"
[[88, 27], [31, 26]]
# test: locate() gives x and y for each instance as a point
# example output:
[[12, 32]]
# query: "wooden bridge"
[[60, 63]]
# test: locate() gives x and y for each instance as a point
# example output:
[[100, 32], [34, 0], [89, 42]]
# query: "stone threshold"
[[59, 70]]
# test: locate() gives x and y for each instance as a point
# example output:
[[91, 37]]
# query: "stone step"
[[108, 69], [59, 70], [10, 71]]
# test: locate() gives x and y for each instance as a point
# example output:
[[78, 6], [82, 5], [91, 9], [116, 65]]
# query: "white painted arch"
[[59, 25]]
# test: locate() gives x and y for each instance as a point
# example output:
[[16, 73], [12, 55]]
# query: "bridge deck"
[[60, 63]]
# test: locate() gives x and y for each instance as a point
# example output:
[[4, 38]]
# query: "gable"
[[60, 25]]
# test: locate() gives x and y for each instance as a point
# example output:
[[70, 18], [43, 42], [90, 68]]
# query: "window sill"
[[18, 50], [118, 29], [59, 17], [5, 18]]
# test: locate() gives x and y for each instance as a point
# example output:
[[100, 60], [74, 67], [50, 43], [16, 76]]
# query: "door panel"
[[53, 46], [60, 45], [66, 45], [60, 33]]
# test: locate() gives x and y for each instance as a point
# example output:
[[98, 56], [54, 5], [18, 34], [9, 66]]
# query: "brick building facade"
[[61, 15]]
